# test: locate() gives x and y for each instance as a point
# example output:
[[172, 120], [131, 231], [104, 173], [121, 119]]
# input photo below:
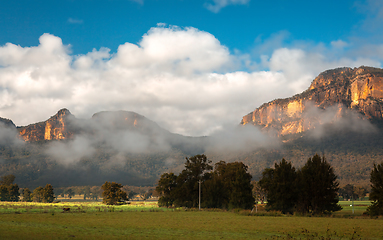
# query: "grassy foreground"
[[134, 222]]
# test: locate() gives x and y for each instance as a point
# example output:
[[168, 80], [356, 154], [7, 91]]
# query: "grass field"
[[82, 207], [147, 221]]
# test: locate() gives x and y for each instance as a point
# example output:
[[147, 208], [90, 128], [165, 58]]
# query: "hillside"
[[117, 146], [339, 115]]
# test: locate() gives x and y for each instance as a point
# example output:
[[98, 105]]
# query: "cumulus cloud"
[[182, 78], [217, 5], [300, 67], [340, 44]]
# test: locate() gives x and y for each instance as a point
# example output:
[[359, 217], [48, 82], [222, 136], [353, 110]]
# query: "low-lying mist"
[[337, 118]]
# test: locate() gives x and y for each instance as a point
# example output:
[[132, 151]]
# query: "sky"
[[195, 67]]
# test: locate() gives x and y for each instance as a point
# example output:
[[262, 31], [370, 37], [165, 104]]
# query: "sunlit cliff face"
[[360, 89], [52, 129]]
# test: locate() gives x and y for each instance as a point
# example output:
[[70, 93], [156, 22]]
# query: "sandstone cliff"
[[56, 127], [344, 90]]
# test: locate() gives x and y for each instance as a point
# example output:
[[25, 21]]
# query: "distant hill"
[[117, 146]]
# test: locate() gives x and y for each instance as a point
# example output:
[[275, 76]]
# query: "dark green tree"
[[131, 194], [38, 194], [4, 193], [347, 191], [7, 180], [43, 194], [70, 193], [8, 190], [318, 187], [166, 186], [234, 183], [280, 186], [48, 194], [187, 190], [27, 195], [376, 194], [229, 186], [87, 192], [95, 192], [112, 193]]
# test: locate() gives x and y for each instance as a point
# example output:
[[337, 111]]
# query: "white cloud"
[[75, 21], [340, 44], [182, 78], [301, 67], [217, 5]]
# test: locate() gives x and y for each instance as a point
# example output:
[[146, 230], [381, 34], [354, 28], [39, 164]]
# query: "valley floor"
[[150, 222]]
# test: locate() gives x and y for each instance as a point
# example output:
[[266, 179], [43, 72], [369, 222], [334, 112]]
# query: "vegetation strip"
[[183, 225]]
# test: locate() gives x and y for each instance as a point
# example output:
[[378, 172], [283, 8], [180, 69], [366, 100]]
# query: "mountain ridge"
[[357, 89]]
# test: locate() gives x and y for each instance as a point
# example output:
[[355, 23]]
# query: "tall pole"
[[352, 197], [199, 201], [352, 204]]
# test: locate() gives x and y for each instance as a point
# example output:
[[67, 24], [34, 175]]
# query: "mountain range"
[[338, 116]]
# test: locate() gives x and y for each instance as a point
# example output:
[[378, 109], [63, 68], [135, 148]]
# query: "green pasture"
[[140, 220], [359, 207], [83, 207]]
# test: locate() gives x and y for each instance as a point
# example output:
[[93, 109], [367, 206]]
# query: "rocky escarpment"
[[55, 128], [342, 90]]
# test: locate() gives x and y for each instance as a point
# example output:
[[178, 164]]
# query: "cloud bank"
[[182, 78]]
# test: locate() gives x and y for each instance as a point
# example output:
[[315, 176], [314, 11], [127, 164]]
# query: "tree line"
[[312, 189], [9, 191]]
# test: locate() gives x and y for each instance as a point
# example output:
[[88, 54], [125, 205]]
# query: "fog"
[[113, 132], [338, 117], [9, 135], [121, 134], [241, 139]]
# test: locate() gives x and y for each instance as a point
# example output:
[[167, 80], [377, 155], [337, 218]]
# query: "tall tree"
[[7, 180], [318, 187], [48, 194], [187, 191], [87, 192], [237, 183], [166, 187], [376, 194], [27, 195], [38, 194], [280, 186], [8, 190], [70, 193], [43, 194], [112, 193]]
